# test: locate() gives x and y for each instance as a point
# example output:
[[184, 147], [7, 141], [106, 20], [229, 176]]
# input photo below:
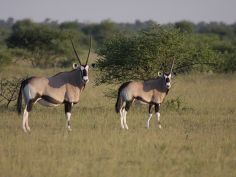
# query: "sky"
[[90, 11]]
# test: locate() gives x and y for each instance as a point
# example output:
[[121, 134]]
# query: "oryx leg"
[[149, 115], [25, 123], [27, 109], [122, 111], [122, 118], [157, 112], [68, 107], [127, 107]]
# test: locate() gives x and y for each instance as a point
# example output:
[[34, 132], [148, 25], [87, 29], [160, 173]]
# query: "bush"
[[9, 89]]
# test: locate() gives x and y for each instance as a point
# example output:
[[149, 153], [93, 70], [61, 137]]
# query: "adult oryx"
[[62, 88], [151, 92]]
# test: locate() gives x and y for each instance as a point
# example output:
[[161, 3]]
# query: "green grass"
[[197, 139]]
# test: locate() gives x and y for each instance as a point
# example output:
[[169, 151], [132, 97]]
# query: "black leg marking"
[[128, 105], [150, 108], [31, 102], [68, 107], [157, 108], [29, 106]]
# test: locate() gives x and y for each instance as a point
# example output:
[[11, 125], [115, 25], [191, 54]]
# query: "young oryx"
[[151, 92], [62, 88]]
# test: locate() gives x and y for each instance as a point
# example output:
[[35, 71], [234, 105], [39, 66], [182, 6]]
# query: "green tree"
[[139, 56], [5, 56], [185, 26], [45, 43], [100, 32]]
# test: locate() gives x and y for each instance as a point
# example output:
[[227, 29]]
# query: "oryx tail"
[[19, 99], [119, 101]]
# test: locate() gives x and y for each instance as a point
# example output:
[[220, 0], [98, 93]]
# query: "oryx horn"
[[162, 67], [172, 65], [89, 50], [75, 51]]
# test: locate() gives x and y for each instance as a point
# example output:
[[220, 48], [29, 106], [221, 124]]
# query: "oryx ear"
[[159, 73], [94, 65], [75, 65]]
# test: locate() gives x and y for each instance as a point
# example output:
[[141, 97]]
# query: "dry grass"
[[198, 139]]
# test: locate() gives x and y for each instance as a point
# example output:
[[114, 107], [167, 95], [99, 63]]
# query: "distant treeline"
[[47, 44]]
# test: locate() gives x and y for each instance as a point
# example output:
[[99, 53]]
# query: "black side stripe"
[[50, 99], [145, 101]]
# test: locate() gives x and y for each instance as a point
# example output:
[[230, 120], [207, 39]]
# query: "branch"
[[192, 64]]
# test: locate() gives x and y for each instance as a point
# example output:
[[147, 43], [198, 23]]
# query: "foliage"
[[139, 56], [184, 26], [221, 29], [47, 43], [5, 56], [228, 62], [102, 31]]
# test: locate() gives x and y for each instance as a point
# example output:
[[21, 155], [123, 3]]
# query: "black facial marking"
[[167, 79], [85, 73]]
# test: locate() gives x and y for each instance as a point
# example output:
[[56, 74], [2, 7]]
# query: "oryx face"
[[84, 71], [83, 68], [167, 77]]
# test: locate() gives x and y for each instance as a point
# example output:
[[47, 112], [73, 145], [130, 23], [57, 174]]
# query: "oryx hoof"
[[28, 129], [122, 127], [24, 129]]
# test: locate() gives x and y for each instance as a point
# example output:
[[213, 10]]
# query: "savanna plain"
[[198, 137]]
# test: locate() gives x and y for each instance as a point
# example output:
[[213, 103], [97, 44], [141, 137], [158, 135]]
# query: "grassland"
[[198, 137]]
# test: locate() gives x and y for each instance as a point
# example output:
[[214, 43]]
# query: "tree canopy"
[[140, 55]]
